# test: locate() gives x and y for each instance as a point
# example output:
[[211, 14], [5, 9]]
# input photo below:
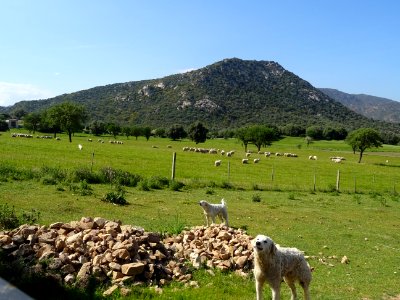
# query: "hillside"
[[227, 94], [370, 106]]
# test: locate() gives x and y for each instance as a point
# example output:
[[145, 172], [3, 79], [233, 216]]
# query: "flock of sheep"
[[218, 162]]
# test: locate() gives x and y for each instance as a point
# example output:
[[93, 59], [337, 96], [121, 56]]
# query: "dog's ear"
[[272, 249]]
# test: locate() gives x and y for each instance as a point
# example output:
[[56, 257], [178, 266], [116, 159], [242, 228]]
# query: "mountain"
[[370, 106], [227, 94]]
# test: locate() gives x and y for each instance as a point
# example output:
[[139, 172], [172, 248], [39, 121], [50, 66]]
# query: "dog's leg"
[[306, 291], [276, 292], [207, 217], [259, 288], [292, 286]]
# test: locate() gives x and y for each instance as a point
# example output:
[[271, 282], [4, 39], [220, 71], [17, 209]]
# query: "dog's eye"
[[265, 242]]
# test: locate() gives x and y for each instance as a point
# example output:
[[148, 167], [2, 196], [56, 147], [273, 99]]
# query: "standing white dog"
[[273, 263], [213, 210]]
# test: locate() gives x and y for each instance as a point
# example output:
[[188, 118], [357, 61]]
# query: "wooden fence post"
[[315, 181], [338, 180], [355, 184], [173, 165], [229, 169]]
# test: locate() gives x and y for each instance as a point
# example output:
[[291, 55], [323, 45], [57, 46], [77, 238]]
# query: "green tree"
[[363, 139], [68, 116], [4, 126], [177, 132], [315, 132], [136, 131], [113, 129], [127, 131], [262, 136], [146, 132], [97, 128], [242, 135], [32, 121], [198, 133]]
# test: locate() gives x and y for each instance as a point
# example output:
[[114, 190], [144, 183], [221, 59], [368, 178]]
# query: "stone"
[[132, 268]]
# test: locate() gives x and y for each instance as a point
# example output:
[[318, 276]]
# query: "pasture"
[[297, 204]]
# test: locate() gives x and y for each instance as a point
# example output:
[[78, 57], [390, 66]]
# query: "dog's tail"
[[223, 201]]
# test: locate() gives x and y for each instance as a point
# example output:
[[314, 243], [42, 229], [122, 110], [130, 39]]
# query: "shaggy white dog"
[[273, 263], [211, 211]]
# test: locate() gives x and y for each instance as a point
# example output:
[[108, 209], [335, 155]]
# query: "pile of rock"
[[109, 250], [216, 246]]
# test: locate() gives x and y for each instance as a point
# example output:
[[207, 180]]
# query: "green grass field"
[[361, 221]]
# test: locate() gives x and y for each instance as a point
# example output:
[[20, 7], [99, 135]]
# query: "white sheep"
[[312, 157], [248, 154], [80, 147], [245, 161], [217, 163], [256, 160]]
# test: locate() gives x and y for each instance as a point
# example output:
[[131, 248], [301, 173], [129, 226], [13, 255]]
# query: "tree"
[[259, 135], [198, 133], [127, 131], [32, 121], [262, 136], [315, 132], [68, 116], [97, 128], [4, 126], [242, 135], [146, 132], [136, 131], [113, 129], [362, 139], [177, 132]]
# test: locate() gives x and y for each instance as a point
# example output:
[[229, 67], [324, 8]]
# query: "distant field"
[[378, 171], [327, 225]]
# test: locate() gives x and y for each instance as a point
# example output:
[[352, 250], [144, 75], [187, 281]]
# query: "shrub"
[[82, 188], [144, 185], [226, 185], [120, 177], [157, 182], [81, 174], [48, 180], [176, 185], [10, 220], [256, 198], [57, 174], [116, 197]]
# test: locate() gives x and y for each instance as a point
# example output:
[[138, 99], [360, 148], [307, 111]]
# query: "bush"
[[84, 174], [120, 177], [176, 185], [82, 188], [10, 220], [116, 197], [158, 182], [256, 198], [56, 174]]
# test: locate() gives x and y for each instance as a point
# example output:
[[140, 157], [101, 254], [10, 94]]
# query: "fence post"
[[338, 180], [91, 166], [272, 174], [229, 170], [173, 165], [315, 181], [355, 184]]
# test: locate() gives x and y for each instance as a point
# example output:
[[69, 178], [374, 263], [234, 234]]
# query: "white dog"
[[213, 210], [273, 263]]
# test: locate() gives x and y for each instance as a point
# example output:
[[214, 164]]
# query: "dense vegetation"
[[228, 94]]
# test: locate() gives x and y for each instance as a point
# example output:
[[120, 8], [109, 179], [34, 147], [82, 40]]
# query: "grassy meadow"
[[293, 200]]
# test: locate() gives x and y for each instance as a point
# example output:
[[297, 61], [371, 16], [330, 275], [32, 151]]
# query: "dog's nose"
[[258, 243]]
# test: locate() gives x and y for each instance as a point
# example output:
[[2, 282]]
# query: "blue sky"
[[52, 47]]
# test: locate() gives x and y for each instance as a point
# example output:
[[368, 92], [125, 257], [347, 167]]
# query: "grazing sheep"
[[256, 160], [245, 161], [267, 154], [336, 160], [80, 147], [90, 140], [312, 157], [248, 154], [273, 263], [217, 163]]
